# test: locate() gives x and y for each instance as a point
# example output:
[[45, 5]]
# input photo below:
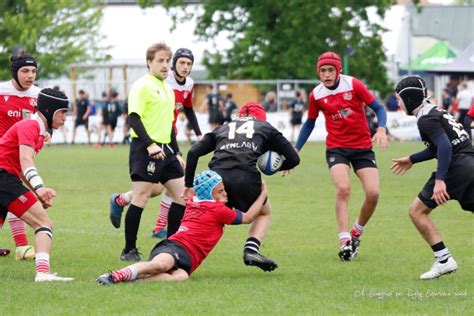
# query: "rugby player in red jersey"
[[342, 99], [18, 101], [202, 226], [18, 147]]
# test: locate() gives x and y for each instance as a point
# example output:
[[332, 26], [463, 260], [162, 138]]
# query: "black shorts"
[[10, 189], [146, 169], [358, 158], [242, 186], [80, 121], [459, 183], [111, 123], [296, 121], [182, 260]]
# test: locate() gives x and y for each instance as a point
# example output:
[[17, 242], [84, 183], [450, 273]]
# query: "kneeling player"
[[202, 227], [18, 147], [449, 143]]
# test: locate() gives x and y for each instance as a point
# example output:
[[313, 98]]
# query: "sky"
[[131, 30]]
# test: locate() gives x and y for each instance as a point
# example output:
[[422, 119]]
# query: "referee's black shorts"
[[144, 168], [242, 186], [459, 183]]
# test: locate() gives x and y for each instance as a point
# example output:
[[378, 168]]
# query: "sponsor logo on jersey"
[[6, 97], [249, 145], [15, 113], [185, 94], [342, 114], [22, 199]]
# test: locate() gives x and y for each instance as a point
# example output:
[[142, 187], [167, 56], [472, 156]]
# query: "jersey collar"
[[43, 130]]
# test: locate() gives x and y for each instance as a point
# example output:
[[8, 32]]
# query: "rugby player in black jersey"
[[449, 143], [237, 146]]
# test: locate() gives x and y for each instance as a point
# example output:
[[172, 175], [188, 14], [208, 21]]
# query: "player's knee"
[[343, 192], [182, 276], [372, 195], [158, 266], [45, 230]]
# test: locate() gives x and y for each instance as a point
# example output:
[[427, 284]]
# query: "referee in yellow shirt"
[[154, 153]]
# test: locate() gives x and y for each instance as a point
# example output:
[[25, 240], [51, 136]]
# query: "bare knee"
[[372, 196], [343, 192]]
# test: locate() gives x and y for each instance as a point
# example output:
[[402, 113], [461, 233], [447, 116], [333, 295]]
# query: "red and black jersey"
[[202, 227], [15, 105], [30, 132], [344, 111]]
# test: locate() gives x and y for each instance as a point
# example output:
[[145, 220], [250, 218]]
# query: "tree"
[[56, 32], [283, 38]]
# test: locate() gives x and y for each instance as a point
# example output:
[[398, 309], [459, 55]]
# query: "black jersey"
[[238, 144], [433, 121]]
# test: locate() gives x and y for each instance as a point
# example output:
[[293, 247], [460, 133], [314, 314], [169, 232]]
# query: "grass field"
[[303, 240]]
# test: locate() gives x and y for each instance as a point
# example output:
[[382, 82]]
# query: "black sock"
[[132, 223], [252, 245], [440, 252], [175, 215]]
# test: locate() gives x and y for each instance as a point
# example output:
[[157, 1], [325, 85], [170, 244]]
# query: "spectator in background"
[[469, 120], [229, 107], [464, 101], [446, 101], [215, 107], [101, 136], [391, 103], [81, 109], [111, 111], [270, 103], [297, 108]]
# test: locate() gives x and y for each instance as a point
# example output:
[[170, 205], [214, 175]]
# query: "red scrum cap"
[[330, 58], [253, 109]]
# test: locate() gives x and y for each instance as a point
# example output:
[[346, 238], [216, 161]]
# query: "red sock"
[[121, 199], [18, 229], [123, 275], [162, 219]]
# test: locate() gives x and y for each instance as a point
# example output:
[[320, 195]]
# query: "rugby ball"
[[270, 162]]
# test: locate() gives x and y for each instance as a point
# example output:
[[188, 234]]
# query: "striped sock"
[[124, 275], [357, 230], [252, 244], [123, 199], [344, 237], [440, 252], [18, 229], [162, 219], [42, 262]]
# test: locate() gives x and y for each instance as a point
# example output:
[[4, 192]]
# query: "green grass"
[[302, 239]]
